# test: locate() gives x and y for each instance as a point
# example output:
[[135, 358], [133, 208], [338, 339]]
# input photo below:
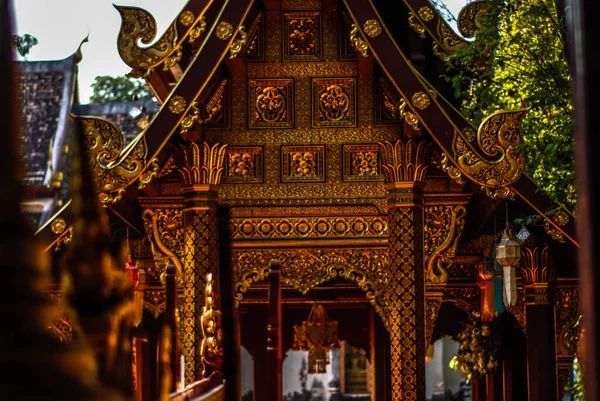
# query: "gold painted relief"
[[244, 164], [255, 49], [303, 163], [217, 107], [387, 101], [271, 103], [302, 35], [362, 163], [334, 102]]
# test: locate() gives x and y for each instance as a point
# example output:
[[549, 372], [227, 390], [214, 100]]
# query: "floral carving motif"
[[426, 13], [566, 306], [177, 104], [58, 226], [421, 100], [155, 302], [372, 28], [303, 163], [335, 102], [365, 163], [164, 228], [224, 30], [303, 32], [271, 104]]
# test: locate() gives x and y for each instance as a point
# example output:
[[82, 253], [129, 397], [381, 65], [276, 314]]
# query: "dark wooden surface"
[[585, 67], [274, 347]]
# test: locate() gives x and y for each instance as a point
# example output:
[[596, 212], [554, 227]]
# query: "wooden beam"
[[274, 326]]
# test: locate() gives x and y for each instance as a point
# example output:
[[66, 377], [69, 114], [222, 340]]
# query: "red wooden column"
[[405, 165], [539, 316], [171, 320], [274, 347]]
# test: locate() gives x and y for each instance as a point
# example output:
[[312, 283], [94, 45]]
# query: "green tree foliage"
[[23, 44], [109, 89], [517, 60]]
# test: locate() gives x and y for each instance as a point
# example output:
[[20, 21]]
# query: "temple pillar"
[[200, 167], [539, 316], [405, 165]]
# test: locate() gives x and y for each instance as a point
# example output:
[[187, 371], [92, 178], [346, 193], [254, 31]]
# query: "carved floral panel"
[[244, 164], [362, 163], [271, 103], [387, 100], [302, 36], [334, 102], [303, 163]]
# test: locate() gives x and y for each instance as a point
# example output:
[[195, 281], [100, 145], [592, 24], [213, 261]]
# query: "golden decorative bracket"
[[138, 26], [115, 168]]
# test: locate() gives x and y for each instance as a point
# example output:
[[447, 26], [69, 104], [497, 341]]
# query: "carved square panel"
[[302, 36], [362, 163], [386, 99], [303, 163], [333, 102], [243, 164], [271, 103]]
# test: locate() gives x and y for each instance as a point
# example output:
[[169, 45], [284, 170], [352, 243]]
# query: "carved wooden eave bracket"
[[488, 156], [138, 28], [426, 20]]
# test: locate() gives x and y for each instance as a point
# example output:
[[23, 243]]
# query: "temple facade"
[[307, 188]]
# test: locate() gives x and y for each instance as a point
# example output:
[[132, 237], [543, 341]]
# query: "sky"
[[60, 25]]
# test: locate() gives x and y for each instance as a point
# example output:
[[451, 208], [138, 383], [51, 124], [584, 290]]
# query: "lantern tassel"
[[510, 286]]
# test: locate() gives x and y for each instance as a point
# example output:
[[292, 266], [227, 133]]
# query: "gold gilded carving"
[[307, 227], [303, 163], [388, 100], [405, 161], [244, 164], [164, 228], [303, 33], [447, 41], [561, 217], [190, 119], [201, 164], [58, 226], [307, 69], [197, 30], [416, 24], [566, 307], [372, 28], [426, 13], [113, 168], [334, 102], [304, 269], [469, 18], [167, 168], [238, 45], [177, 104], [254, 50], [405, 300], [361, 163], [149, 174], [224, 30], [420, 100], [534, 266], [139, 26], [301, 4], [187, 18], [432, 307], [498, 139], [271, 103], [357, 42], [443, 227], [155, 302], [452, 171], [216, 104], [211, 348]]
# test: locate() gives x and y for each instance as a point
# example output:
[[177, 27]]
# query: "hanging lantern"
[[317, 335], [508, 254]]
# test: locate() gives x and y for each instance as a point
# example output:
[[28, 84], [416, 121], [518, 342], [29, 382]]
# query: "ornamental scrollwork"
[[304, 269], [155, 302], [469, 18], [138, 27], [114, 168], [432, 308], [211, 347], [416, 24], [501, 163], [358, 42], [238, 45], [447, 167], [567, 312], [442, 230], [164, 228], [447, 41]]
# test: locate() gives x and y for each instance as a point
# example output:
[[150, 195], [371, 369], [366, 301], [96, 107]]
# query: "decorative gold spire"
[[201, 164], [405, 161]]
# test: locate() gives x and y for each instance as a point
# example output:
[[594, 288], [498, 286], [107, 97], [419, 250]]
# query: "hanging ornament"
[[485, 281], [429, 353], [317, 335], [508, 254]]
